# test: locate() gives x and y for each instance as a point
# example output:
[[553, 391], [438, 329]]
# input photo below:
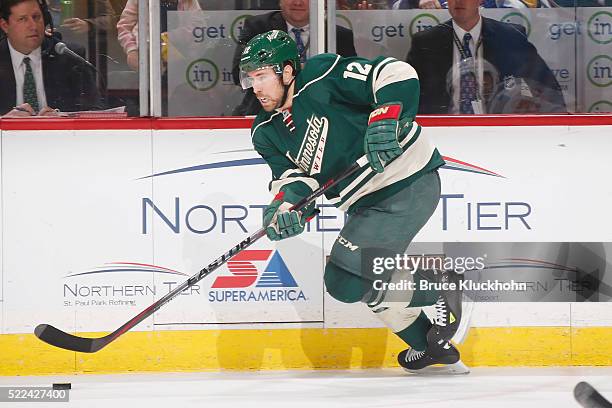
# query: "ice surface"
[[484, 387]]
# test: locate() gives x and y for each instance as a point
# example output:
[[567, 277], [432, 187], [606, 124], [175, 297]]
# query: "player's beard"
[[271, 99], [268, 105]]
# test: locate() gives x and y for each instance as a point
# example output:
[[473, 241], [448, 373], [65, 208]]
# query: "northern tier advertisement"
[[97, 224]]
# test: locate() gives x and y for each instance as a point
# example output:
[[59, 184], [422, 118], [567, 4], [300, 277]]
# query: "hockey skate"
[[447, 310], [440, 357]]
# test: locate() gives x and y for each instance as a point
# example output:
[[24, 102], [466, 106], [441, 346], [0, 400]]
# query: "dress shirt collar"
[[17, 58], [474, 32], [306, 29]]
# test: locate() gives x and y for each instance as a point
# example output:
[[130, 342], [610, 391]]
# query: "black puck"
[[62, 386]]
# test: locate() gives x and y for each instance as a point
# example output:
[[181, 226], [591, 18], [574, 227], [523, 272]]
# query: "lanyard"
[[460, 46], [477, 104], [306, 47]]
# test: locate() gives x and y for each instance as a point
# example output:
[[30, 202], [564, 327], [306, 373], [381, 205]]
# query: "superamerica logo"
[[258, 275]]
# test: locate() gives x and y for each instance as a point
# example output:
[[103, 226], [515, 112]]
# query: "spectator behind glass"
[[450, 60], [251, 5], [293, 19], [127, 27], [92, 25], [363, 4], [76, 19], [34, 78], [581, 3], [443, 4]]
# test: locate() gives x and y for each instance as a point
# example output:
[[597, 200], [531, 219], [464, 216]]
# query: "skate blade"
[[457, 368], [465, 323]]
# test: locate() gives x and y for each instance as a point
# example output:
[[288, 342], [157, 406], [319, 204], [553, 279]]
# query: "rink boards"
[[97, 224]]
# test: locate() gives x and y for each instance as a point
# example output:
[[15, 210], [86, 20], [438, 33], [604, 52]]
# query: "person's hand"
[[76, 25], [359, 5], [380, 143], [280, 222], [364, 5], [47, 111], [429, 4], [132, 60], [20, 111]]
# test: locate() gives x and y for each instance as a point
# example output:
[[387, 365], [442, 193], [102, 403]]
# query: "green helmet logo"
[[271, 49]]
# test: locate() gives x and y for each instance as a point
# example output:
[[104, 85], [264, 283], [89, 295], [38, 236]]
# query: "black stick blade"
[[588, 397], [67, 341]]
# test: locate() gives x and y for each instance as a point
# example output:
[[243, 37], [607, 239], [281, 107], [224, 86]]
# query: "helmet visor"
[[260, 77]]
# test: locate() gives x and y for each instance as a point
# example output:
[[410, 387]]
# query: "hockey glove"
[[380, 143], [281, 223]]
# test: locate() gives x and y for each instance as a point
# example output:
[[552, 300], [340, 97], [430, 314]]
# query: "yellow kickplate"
[[24, 354]]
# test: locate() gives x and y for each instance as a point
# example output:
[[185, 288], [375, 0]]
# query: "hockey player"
[[317, 121]]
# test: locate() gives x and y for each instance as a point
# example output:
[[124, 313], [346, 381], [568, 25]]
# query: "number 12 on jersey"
[[358, 71]]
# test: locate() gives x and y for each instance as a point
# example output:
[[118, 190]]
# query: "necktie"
[[300, 44], [29, 86], [467, 80]]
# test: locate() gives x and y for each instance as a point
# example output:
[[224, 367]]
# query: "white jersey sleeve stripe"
[[410, 135], [391, 73], [334, 200], [375, 75], [289, 172], [368, 169], [414, 159], [276, 185]]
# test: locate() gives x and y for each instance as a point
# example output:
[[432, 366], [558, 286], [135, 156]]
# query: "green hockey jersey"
[[323, 132]]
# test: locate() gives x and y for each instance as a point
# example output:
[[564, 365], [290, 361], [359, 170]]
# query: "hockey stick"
[[58, 338], [588, 397]]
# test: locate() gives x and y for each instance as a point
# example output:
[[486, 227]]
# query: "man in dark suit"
[[293, 19], [33, 76], [507, 74]]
